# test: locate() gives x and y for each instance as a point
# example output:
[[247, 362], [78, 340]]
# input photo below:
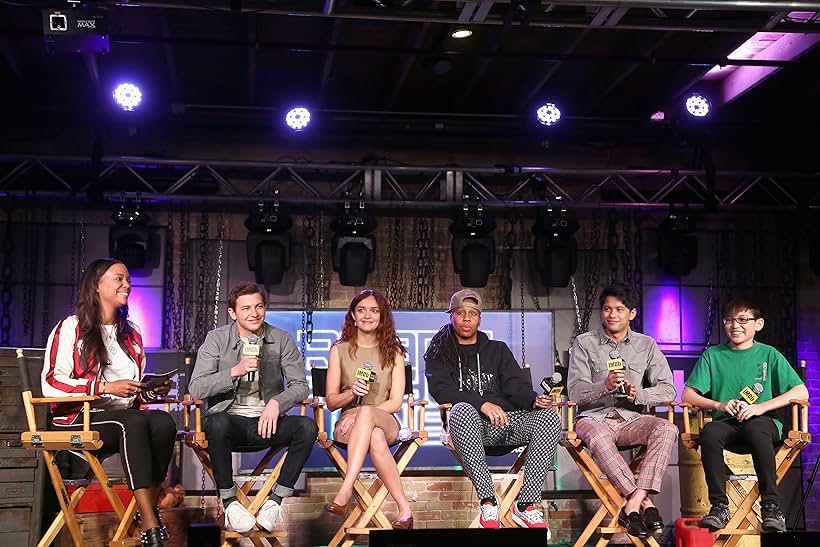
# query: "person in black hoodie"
[[493, 405]]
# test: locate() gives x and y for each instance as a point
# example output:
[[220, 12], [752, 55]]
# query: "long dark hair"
[[87, 310], [389, 343], [445, 348]]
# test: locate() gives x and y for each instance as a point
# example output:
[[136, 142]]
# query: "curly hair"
[[87, 310], [389, 344], [445, 348]]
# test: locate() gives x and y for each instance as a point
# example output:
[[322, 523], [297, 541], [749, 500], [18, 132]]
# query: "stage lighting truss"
[[128, 96], [698, 106]]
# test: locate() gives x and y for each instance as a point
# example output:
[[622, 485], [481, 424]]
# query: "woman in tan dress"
[[368, 337]]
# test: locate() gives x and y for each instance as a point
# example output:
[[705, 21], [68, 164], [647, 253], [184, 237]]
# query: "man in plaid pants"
[[615, 373]]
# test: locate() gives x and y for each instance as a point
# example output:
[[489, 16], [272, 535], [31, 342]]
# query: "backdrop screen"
[[416, 328]]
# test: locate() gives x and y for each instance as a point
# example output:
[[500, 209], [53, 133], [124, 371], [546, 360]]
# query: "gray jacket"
[[281, 369], [646, 368]]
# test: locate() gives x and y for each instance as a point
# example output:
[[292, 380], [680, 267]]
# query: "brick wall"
[[808, 349]]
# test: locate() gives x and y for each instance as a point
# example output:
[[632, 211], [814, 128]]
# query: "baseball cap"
[[457, 300]]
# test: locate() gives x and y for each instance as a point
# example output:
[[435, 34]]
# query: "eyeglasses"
[[738, 320]]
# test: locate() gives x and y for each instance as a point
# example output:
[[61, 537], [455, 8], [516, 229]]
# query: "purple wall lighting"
[[675, 317], [145, 309]]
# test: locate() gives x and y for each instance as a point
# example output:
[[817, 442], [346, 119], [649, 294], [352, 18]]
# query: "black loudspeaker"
[[268, 256], [790, 539], [354, 257], [555, 259], [473, 259], [474, 537], [135, 246], [677, 252]]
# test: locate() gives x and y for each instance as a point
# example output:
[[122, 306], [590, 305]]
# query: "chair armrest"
[[799, 402], [800, 420], [193, 402], [422, 402], [78, 399]]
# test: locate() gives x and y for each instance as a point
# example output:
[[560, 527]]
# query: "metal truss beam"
[[220, 183]]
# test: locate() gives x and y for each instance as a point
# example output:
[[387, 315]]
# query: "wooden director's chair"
[[508, 488], [196, 440], [605, 520], [747, 518], [367, 514], [85, 444]]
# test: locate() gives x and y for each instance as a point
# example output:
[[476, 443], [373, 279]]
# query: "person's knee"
[[665, 431], [162, 424], [710, 437], [377, 438], [546, 420], [217, 426], [463, 413], [306, 429]]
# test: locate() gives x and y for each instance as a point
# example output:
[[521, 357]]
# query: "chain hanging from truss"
[[73, 265], [592, 273], [712, 294], [181, 332], [201, 294], [168, 282], [6, 276], [45, 321], [310, 282], [220, 235], [612, 247], [30, 255], [395, 267], [322, 285], [82, 243], [637, 274], [422, 271], [787, 278], [504, 289]]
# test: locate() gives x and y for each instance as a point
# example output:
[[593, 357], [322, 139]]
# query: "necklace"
[[111, 341]]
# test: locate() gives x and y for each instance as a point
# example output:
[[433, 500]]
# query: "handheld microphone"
[[366, 373], [552, 386], [251, 349], [751, 394], [616, 362]]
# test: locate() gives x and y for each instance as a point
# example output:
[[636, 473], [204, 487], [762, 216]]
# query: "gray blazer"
[[646, 368], [281, 369]]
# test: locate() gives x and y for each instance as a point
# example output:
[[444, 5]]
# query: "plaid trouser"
[[603, 439]]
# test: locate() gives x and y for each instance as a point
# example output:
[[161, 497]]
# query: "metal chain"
[[579, 327], [313, 288], [168, 303], [180, 317], [637, 275], [45, 321], [73, 267], [201, 297], [6, 276], [82, 244], [394, 266], [523, 337], [220, 234], [29, 269], [507, 266], [592, 274], [627, 256], [422, 268], [202, 491], [322, 285], [612, 248]]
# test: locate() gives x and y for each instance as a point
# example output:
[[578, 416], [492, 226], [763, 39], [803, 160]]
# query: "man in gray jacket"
[[614, 374], [252, 374]]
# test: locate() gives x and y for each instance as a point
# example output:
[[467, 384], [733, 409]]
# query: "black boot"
[[152, 538], [162, 529]]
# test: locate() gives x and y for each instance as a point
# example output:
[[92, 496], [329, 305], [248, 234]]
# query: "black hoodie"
[[501, 380]]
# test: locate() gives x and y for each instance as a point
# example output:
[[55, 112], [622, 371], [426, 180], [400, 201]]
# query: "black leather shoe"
[[162, 529], [652, 520], [633, 522], [152, 538]]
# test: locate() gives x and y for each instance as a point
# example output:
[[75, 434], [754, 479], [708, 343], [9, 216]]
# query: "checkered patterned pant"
[[471, 431], [603, 439]]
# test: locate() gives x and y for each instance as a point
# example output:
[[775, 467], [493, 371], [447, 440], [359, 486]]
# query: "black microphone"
[[552, 386], [366, 373], [251, 349]]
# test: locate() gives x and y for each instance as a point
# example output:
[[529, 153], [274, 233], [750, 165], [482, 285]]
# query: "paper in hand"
[[153, 381]]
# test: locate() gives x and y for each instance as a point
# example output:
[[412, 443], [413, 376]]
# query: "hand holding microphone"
[[615, 365], [747, 408], [249, 363], [365, 375], [552, 389]]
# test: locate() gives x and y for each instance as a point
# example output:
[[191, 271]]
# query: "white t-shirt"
[[120, 367], [249, 402]]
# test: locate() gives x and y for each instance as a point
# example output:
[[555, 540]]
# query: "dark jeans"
[[144, 439], [227, 433], [756, 436]]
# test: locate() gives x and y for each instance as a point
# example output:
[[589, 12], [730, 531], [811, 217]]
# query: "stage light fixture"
[[131, 241], [548, 114], [556, 250], [698, 106], [268, 243], [461, 33], [298, 118], [677, 245], [354, 248], [473, 247], [128, 96]]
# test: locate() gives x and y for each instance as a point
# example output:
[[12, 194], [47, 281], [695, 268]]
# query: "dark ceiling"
[[374, 70]]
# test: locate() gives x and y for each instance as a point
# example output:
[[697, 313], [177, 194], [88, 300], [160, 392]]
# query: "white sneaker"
[[270, 516], [238, 519]]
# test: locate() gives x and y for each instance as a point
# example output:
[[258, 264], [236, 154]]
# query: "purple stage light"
[[128, 96], [698, 106], [298, 118], [548, 114]]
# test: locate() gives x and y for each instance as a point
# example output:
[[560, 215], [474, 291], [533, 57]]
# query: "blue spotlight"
[[698, 106], [298, 118], [548, 114], [128, 96]]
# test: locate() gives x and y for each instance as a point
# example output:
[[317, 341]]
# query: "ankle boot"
[[162, 529], [152, 538]]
